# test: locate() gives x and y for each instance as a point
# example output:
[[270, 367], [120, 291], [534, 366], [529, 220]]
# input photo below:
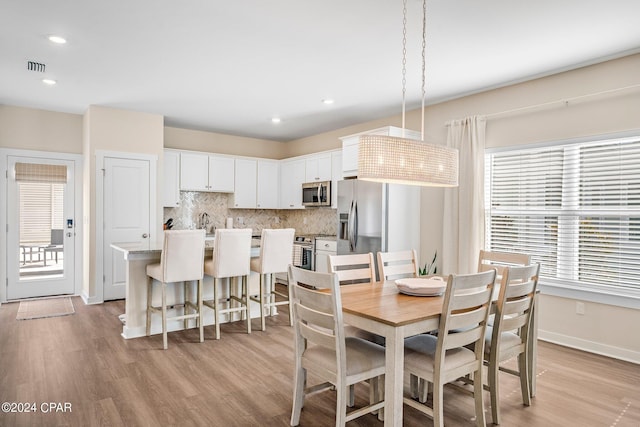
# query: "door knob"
[[145, 235]]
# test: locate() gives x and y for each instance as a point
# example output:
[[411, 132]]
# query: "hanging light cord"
[[424, 61], [404, 61]]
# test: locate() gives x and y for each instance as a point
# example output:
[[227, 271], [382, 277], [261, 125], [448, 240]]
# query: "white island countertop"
[[144, 249]]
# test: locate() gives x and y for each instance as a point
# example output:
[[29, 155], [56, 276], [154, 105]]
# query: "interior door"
[[40, 227], [126, 208]]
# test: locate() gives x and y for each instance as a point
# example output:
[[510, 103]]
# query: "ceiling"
[[230, 66]]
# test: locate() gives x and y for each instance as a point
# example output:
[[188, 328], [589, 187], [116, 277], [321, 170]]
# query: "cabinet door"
[[336, 175], [194, 172], [350, 157], [267, 185], [221, 174], [171, 184], [318, 168], [244, 195], [292, 175]]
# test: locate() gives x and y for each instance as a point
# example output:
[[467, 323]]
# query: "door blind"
[[574, 208]]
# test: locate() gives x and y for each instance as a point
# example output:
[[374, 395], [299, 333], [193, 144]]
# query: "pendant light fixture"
[[401, 160]]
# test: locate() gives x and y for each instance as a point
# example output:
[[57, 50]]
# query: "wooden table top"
[[382, 302]]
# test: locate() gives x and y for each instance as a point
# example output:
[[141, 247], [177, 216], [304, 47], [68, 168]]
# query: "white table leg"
[[393, 386]]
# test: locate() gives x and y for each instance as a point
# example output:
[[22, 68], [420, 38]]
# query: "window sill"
[[564, 290]]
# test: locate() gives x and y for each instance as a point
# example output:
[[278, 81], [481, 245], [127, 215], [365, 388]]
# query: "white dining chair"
[[322, 351], [509, 335], [488, 260], [444, 358], [353, 268], [276, 248], [397, 264], [181, 260], [231, 257]]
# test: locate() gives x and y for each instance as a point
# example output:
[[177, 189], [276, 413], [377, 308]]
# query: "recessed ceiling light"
[[275, 120], [328, 101], [57, 39], [49, 82]]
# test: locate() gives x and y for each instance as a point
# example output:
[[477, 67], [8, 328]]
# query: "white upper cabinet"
[[194, 172], [292, 176], [350, 146], [221, 174], [201, 172], [268, 189], [244, 196], [171, 184], [318, 168], [336, 175]]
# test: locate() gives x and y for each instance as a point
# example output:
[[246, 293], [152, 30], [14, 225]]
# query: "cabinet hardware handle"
[[145, 235]]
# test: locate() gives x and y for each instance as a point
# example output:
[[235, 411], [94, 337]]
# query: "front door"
[[126, 219], [41, 227]]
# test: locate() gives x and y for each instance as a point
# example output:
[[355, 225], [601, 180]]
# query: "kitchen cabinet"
[[350, 146], [324, 249], [202, 172], [244, 196], [336, 175], [318, 168], [171, 181], [292, 176], [268, 190]]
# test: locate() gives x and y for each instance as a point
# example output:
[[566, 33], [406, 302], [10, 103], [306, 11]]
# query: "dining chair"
[[509, 335], [444, 358], [323, 349], [499, 260], [181, 260], [231, 257], [397, 265], [353, 268], [276, 248]]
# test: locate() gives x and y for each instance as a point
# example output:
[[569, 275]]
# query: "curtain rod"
[[554, 104]]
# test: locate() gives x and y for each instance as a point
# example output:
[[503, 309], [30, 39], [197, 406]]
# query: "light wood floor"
[[246, 380]]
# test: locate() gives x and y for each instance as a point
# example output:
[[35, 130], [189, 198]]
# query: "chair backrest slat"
[[499, 260], [397, 265], [353, 268]]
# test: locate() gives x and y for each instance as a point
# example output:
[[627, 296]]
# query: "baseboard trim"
[[590, 346]]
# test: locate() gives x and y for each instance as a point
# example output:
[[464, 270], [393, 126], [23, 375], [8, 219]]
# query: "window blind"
[[574, 208]]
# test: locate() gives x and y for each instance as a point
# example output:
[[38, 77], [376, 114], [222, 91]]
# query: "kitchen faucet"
[[204, 221]]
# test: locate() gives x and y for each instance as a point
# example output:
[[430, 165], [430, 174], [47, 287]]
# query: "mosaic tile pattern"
[[193, 204]]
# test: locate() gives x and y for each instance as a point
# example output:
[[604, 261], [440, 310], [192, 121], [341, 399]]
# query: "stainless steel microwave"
[[316, 193]]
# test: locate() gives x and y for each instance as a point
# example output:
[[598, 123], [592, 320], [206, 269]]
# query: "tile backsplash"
[[193, 204]]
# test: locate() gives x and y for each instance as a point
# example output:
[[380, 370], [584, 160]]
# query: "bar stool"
[[231, 255], [276, 248], [181, 260]]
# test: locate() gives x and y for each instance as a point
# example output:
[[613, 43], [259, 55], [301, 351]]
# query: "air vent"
[[36, 66]]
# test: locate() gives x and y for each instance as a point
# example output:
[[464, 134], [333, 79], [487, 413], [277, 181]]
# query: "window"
[[574, 207]]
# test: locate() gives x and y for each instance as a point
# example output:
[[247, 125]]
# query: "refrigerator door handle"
[[355, 223], [319, 188], [351, 225]]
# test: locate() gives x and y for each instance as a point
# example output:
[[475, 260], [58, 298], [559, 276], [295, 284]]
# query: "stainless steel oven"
[[316, 193]]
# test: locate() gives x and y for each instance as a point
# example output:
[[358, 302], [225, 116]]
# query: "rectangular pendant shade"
[[397, 160]]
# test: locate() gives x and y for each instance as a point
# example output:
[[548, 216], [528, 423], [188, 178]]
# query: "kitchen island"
[[137, 256]]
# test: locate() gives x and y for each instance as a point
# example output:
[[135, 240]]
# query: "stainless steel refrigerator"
[[375, 217]]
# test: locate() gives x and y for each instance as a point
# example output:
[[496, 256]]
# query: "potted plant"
[[429, 268]]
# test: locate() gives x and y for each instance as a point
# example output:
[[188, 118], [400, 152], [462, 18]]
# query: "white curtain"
[[463, 224]]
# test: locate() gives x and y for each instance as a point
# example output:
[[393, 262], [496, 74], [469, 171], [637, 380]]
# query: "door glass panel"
[[41, 191]]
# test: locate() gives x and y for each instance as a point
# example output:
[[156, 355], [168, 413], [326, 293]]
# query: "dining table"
[[379, 307]]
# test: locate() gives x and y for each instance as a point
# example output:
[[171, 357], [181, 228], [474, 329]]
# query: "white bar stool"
[[181, 260], [231, 255], [276, 249]]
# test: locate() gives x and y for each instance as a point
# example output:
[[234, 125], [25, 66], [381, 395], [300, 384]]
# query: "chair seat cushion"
[[419, 355], [362, 356], [155, 271]]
